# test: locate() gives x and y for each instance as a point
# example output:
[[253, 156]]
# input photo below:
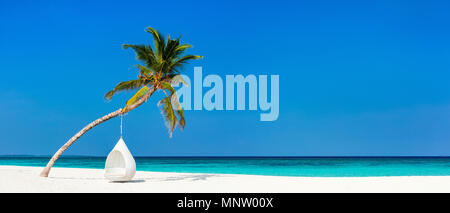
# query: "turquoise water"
[[279, 166]]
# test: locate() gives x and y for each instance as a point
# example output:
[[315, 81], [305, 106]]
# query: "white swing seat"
[[120, 164], [115, 172]]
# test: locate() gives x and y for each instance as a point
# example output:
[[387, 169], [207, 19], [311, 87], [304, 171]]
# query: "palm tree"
[[161, 68]]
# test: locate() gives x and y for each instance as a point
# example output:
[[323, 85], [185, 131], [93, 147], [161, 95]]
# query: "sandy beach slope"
[[26, 179]]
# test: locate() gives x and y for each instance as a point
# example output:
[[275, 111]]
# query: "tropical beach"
[[224, 97], [232, 174], [66, 180]]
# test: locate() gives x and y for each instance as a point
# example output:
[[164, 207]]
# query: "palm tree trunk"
[[116, 113]]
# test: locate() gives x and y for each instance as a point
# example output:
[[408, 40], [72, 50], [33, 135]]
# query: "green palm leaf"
[[161, 65], [175, 103], [178, 110], [159, 40], [136, 97], [144, 53], [167, 86], [178, 63], [124, 86], [144, 70], [168, 114]]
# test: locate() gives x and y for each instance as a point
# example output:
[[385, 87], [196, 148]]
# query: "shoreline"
[[206, 173], [64, 180]]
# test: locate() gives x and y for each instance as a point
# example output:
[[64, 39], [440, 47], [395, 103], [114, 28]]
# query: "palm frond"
[[170, 51], [158, 39], [180, 50], [161, 66], [168, 114], [124, 86], [186, 58], [144, 90], [181, 120], [178, 110], [176, 79], [175, 103], [144, 53], [178, 63], [144, 70], [109, 94], [167, 86], [183, 47]]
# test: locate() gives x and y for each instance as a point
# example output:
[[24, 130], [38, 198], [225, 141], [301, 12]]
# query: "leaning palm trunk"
[[162, 67], [116, 113]]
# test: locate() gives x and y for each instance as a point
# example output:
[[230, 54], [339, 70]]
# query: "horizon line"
[[246, 156]]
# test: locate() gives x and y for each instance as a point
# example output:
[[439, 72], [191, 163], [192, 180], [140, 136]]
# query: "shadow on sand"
[[183, 177]]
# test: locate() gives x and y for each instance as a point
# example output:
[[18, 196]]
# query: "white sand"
[[26, 179]]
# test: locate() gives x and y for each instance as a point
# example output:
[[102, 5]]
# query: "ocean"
[[276, 166]]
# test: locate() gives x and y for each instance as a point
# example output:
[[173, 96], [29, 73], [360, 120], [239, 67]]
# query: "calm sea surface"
[[280, 166]]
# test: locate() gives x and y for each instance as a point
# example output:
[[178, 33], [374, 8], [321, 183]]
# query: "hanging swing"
[[120, 164]]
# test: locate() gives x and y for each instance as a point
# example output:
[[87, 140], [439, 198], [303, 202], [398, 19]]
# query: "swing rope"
[[121, 124]]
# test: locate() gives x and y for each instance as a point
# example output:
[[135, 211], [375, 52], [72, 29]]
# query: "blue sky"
[[356, 77]]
